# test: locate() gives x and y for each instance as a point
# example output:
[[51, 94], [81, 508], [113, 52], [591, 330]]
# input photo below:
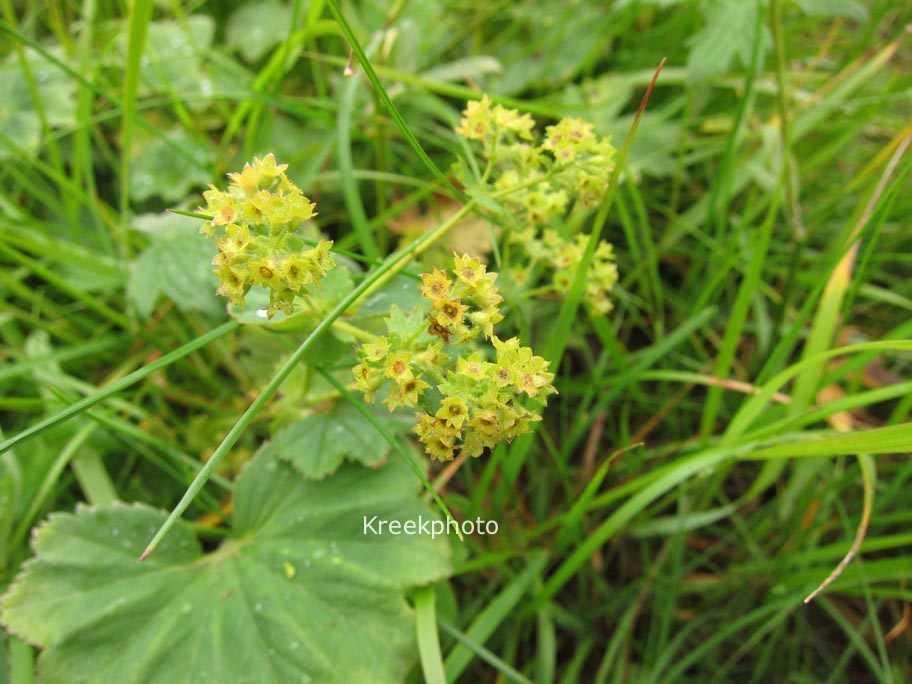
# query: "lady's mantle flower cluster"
[[259, 222], [563, 256], [538, 182], [428, 360]]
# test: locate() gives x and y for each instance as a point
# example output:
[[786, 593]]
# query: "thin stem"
[[793, 208], [422, 244], [388, 103], [354, 331]]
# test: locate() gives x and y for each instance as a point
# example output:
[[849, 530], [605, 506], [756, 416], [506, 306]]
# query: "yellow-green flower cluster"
[[562, 256], [258, 225], [450, 318], [432, 360], [493, 124], [479, 407], [538, 180]]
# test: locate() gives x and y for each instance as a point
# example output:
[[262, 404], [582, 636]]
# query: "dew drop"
[[258, 607], [262, 313]]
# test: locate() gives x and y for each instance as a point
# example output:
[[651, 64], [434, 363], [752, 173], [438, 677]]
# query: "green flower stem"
[[354, 331], [528, 184], [387, 269], [420, 245], [489, 167], [538, 291], [88, 402]]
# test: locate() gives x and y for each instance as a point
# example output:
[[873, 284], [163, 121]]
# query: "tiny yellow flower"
[[468, 269], [266, 271], [377, 350], [450, 311], [397, 365], [435, 285], [367, 380], [476, 119], [407, 392], [453, 411], [472, 367], [221, 206]]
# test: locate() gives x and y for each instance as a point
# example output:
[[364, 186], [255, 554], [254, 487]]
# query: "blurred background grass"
[[775, 140]]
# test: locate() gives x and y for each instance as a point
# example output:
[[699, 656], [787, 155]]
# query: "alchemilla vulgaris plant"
[[451, 363], [689, 458], [446, 363], [471, 388]]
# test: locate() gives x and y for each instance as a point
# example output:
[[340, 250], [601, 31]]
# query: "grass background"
[[666, 522]]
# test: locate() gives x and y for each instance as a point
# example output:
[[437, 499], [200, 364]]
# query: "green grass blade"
[[670, 477], [428, 641], [509, 673], [352, 196], [78, 407], [490, 618], [138, 20], [869, 480], [388, 103], [893, 439], [752, 408], [561, 331]]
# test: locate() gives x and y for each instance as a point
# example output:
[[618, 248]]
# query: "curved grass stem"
[[88, 402]]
